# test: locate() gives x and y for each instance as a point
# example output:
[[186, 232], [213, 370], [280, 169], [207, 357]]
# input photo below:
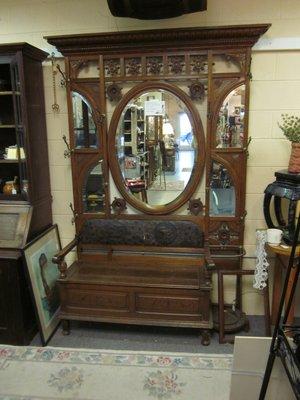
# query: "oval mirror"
[[157, 147], [85, 132], [230, 127]]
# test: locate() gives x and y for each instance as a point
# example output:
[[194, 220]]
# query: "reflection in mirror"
[[93, 194], [222, 191], [85, 133], [156, 147], [230, 128]]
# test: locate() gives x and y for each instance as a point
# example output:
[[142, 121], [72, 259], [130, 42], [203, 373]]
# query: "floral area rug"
[[56, 373], [171, 185]]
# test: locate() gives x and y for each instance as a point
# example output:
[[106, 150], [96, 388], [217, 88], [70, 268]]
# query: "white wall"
[[275, 87]]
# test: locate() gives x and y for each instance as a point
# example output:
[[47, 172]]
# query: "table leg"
[[277, 287]]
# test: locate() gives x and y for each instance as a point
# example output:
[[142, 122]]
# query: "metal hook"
[[69, 151]]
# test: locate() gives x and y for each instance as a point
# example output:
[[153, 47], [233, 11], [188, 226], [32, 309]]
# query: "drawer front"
[[100, 300], [168, 304]]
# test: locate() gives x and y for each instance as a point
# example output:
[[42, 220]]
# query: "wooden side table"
[[282, 255]]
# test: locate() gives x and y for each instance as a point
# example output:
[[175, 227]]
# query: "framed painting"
[[14, 224], [43, 275]]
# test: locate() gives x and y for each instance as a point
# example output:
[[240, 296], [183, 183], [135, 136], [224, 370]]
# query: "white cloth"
[[261, 266]]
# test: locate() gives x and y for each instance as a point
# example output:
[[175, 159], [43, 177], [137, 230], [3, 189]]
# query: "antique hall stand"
[[203, 67]]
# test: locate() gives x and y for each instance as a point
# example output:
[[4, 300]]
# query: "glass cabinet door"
[[13, 172], [19, 128]]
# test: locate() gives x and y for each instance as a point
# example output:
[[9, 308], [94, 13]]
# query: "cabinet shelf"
[[17, 196], [9, 93], [9, 126], [12, 161]]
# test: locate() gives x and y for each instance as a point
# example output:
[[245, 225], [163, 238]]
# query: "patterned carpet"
[[173, 185], [80, 374]]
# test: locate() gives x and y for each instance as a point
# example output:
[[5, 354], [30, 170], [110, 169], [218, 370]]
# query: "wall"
[[275, 87]]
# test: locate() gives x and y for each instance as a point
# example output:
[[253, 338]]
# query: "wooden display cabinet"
[[24, 178], [24, 165]]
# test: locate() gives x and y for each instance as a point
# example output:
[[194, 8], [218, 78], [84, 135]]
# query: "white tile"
[[288, 66], [258, 178], [275, 95], [260, 124], [56, 153], [61, 201], [263, 66], [57, 177], [254, 206], [269, 153]]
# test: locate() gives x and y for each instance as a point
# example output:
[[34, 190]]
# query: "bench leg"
[[206, 335], [65, 327]]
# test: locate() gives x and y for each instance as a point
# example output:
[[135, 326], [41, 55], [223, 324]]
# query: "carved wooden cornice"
[[25, 48], [150, 40]]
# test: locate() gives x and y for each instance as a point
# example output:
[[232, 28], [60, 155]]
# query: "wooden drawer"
[[98, 299], [167, 304]]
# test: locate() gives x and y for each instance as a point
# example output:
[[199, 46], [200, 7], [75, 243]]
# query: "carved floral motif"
[[224, 235], [133, 66], [199, 64], [154, 65], [112, 67], [176, 64]]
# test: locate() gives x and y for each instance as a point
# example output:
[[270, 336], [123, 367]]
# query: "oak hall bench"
[[145, 272]]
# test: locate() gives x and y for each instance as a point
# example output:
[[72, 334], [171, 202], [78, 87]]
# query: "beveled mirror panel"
[[230, 127], [85, 131], [222, 191], [157, 147], [93, 193]]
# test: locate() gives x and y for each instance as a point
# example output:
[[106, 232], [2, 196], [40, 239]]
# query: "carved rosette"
[[113, 92], [176, 64], [195, 206], [197, 91], [133, 66], [199, 64], [154, 65], [118, 205], [224, 235], [112, 67]]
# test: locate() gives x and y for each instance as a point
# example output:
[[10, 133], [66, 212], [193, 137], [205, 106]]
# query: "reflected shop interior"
[[156, 147]]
